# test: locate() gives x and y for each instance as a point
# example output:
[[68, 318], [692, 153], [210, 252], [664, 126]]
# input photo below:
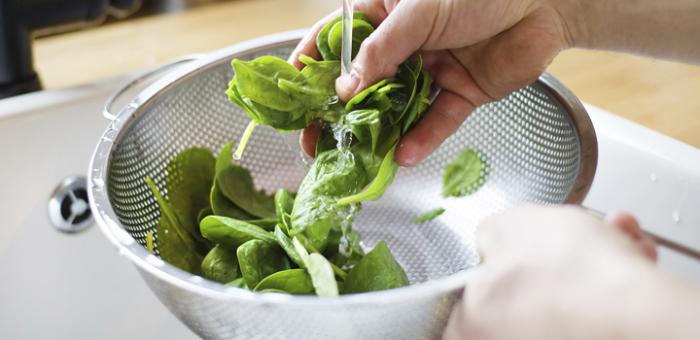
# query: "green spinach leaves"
[[428, 216], [464, 175], [216, 223], [250, 243]]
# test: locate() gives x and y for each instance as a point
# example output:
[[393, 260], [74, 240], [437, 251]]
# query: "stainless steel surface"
[[536, 142], [68, 208], [139, 83]]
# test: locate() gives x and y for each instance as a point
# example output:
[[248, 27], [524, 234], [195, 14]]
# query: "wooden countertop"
[[664, 96]]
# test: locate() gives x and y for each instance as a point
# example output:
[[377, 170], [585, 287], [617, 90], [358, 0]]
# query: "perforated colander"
[[538, 142]]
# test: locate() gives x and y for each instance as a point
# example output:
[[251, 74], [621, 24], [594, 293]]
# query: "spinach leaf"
[[322, 275], [284, 202], [428, 216], [175, 244], [239, 282], [464, 175], [222, 206], [315, 211], [385, 175], [292, 281], [344, 251], [258, 80], [420, 102], [190, 175], [224, 159], [360, 169], [361, 29], [258, 259], [220, 265], [233, 233], [266, 223], [237, 185], [286, 243], [378, 270], [319, 269], [204, 213], [324, 38], [365, 125]]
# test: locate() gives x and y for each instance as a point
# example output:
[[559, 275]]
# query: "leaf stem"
[[244, 140], [338, 272], [149, 241]]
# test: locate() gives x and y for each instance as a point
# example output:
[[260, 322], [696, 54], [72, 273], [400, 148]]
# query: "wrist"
[[572, 18]]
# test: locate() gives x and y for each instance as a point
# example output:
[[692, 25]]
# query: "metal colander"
[[538, 142]]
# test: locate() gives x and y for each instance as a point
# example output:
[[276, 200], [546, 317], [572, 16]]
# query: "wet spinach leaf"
[[220, 265], [375, 190], [231, 232], [344, 251], [378, 270], [315, 210], [464, 175], [292, 281], [257, 259]]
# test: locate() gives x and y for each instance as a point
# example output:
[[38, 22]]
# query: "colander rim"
[[148, 263]]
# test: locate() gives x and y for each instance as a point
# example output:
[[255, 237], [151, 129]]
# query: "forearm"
[[667, 29]]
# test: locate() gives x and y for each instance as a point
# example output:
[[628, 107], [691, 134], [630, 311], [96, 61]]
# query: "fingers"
[[626, 223], [629, 225], [307, 45], [400, 35], [444, 116], [308, 138]]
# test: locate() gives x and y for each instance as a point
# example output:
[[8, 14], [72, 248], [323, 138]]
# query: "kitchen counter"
[[658, 94]]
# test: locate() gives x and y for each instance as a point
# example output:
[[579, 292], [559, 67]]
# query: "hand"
[[481, 50], [477, 51], [560, 273]]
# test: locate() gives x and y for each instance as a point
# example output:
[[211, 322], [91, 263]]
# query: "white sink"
[[75, 286], [55, 285]]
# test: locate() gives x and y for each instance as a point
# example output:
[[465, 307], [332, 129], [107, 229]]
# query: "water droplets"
[[676, 216]]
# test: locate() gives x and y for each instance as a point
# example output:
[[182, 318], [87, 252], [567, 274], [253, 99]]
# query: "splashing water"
[[346, 52], [345, 227], [343, 138]]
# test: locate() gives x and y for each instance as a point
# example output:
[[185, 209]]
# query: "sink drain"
[[69, 210]]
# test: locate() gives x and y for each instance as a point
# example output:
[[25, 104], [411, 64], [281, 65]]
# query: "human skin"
[[481, 50], [560, 273], [547, 273]]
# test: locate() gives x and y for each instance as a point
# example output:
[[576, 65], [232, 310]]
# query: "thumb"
[[398, 37]]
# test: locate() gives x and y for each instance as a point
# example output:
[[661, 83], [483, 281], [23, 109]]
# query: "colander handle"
[[141, 82], [660, 240]]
